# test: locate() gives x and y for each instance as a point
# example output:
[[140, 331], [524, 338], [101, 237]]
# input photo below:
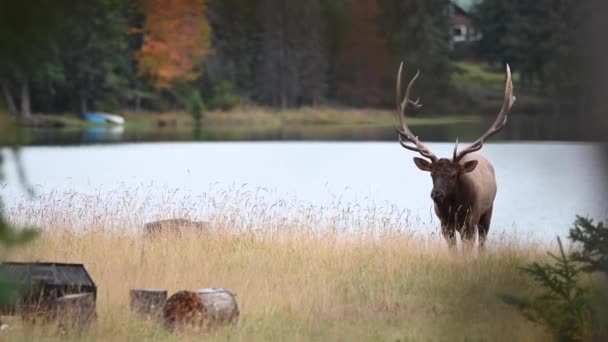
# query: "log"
[[147, 302], [184, 309], [175, 227], [75, 310], [204, 308], [220, 304]]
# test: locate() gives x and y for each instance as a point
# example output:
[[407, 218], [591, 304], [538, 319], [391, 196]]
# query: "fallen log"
[[220, 304], [204, 308]]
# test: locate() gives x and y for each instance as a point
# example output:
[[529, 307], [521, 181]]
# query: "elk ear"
[[422, 164], [469, 166]]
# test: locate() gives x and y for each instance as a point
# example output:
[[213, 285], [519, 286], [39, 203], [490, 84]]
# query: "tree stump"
[[204, 308], [220, 304], [75, 310], [148, 302], [184, 309]]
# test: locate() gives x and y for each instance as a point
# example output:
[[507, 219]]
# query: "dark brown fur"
[[184, 309]]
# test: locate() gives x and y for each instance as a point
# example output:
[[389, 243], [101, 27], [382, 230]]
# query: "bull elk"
[[464, 187]]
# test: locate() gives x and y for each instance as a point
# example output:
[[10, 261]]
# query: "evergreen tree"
[[291, 68], [418, 32], [494, 18], [95, 56], [28, 30], [235, 41]]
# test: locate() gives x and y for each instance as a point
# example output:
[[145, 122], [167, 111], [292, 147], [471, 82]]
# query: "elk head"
[[445, 172]]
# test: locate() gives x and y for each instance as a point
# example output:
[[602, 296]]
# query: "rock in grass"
[[147, 302], [175, 227]]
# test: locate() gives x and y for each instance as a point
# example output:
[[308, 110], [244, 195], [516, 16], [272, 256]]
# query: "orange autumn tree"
[[175, 40]]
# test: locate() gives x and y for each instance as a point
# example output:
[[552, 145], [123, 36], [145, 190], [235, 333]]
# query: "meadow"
[[344, 271]]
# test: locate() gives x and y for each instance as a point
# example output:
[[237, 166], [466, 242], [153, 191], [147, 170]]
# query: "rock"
[[175, 227], [148, 302]]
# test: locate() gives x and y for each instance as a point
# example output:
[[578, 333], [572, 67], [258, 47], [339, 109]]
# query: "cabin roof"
[[466, 5]]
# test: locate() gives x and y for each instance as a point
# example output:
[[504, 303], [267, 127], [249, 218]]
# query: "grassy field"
[[300, 272]]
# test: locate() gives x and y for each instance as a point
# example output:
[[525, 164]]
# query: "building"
[[463, 30]]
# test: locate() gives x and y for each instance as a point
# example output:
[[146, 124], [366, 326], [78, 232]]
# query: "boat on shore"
[[97, 117]]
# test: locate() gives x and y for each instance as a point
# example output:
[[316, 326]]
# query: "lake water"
[[541, 186]]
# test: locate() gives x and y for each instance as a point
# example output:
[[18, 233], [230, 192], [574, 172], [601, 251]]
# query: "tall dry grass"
[[300, 271]]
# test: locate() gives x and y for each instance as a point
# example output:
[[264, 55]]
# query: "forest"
[[153, 55]]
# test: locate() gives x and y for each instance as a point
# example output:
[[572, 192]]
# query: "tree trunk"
[[137, 103], [283, 99], [138, 96], [83, 104], [8, 97], [26, 111]]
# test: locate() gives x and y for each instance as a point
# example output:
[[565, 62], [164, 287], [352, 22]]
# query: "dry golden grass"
[[300, 272]]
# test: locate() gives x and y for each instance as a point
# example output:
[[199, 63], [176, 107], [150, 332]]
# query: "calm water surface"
[[541, 186]]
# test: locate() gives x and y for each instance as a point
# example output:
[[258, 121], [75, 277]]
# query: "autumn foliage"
[[175, 38]]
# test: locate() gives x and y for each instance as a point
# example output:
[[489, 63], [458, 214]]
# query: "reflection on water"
[[520, 127], [541, 186], [101, 134]]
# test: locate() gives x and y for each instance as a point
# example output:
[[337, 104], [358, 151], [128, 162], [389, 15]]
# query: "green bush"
[[566, 307], [594, 240], [562, 306], [197, 107], [224, 97]]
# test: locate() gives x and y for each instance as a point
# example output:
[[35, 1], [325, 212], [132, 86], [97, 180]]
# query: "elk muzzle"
[[437, 196]]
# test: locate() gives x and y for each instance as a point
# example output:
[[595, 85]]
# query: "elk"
[[464, 187]]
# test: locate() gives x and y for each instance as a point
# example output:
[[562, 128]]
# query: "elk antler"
[[403, 129], [498, 124]]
